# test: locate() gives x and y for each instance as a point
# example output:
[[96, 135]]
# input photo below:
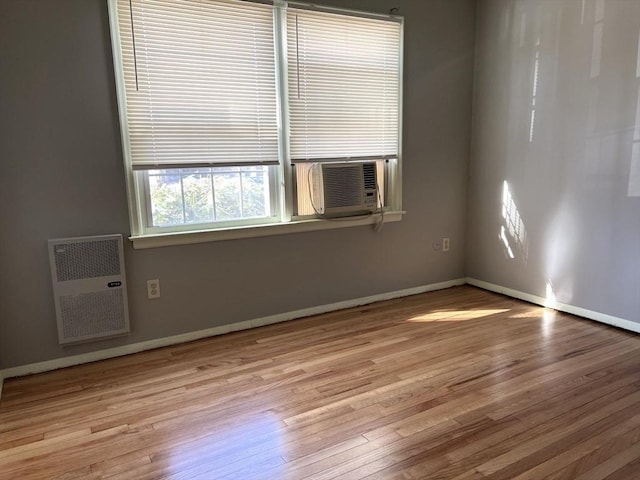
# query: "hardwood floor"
[[456, 384]]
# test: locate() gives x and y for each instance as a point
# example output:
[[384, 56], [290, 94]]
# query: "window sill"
[[203, 236]]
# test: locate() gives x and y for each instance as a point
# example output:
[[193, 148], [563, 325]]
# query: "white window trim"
[[283, 205], [253, 231]]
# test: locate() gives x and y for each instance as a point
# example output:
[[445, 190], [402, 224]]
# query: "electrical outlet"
[[153, 288], [445, 244], [436, 246]]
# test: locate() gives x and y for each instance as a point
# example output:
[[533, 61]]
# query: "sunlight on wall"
[[536, 73], [505, 241], [513, 227], [633, 189], [550, 296], [560, 250], [634, 169], [598, 31], [506, 23]]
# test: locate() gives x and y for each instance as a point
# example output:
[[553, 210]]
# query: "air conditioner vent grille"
[[369, 172], [82, 260], [344, 185]]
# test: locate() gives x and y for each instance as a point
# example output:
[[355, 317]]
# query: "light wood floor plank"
[[456, 384]]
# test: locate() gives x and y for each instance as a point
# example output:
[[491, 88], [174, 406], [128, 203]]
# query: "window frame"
[[282, 186]]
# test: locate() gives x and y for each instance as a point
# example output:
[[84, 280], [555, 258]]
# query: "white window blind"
[[199, 78], [343, 79]]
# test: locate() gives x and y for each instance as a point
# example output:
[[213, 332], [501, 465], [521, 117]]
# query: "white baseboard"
[[563, 307], [210, 332]]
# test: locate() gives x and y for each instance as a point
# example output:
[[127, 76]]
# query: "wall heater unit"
[[89, 287], [345, 188]]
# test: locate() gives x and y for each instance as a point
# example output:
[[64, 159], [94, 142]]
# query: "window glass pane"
[[198, 197], [206, 195], [255, 194], [228, 194], [166, 199]]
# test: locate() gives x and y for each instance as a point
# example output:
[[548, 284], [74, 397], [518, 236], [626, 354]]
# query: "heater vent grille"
[[92, 313], [89, 287], [77, 261]]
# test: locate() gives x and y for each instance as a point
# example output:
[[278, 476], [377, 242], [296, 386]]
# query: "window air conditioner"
[[345, 188]]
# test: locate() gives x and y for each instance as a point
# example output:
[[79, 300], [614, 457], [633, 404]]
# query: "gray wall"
[[61, 175], [574, 178]]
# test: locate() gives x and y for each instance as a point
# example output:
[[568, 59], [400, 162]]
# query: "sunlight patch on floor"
[[455, 315]]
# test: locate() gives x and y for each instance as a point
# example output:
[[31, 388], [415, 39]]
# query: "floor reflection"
[[244, 447]]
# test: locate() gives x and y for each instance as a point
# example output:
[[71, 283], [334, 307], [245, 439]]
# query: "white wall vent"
[[89, 287], [344, 188]]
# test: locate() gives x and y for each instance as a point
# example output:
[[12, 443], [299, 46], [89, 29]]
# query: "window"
[[226, 104]]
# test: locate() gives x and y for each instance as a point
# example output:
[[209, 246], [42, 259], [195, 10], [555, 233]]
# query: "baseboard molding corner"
[[562, 307], [98, 355]]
